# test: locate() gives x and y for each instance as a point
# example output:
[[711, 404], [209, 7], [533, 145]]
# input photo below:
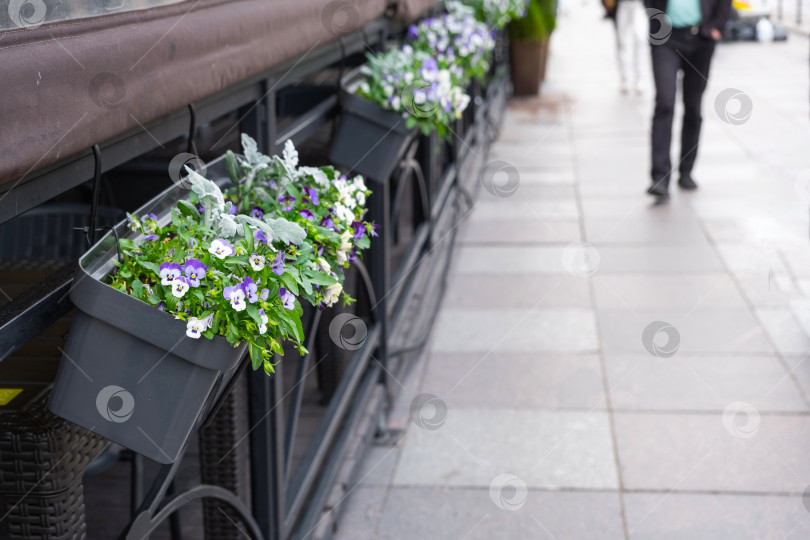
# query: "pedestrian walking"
[[631, 38], [682, 40]]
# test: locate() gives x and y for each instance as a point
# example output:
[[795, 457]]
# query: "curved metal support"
[[410, 165], [369, 286], [298, 393], [145, 523]]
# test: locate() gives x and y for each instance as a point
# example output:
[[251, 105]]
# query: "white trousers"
[[631, 35]]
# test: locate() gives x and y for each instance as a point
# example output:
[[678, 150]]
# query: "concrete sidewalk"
[[605, 368]]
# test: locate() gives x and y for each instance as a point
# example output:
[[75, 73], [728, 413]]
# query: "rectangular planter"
[[370, 140], [129, 373]]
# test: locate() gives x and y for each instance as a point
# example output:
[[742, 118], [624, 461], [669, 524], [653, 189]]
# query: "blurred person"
[[696, 26], [631, 39]]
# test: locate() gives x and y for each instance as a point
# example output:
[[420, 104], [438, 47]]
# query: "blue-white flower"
[[220, 248], [195, 327], [195, 271], [287, 298], [169, 272], [179, 287], [256, 261], [263, 326], [237, 296], [250, 289]]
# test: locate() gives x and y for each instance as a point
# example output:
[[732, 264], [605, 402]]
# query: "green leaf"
[[198, 294], [289, 283], [137, 289], [154, 267], [285, 231], [320, 278], [232, 167], [253, 311], [363, 243], [255, 356], [188, 209], [306, 284], [292, 190]]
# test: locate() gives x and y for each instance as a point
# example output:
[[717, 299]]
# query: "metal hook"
[[192, 129], [90, 231]]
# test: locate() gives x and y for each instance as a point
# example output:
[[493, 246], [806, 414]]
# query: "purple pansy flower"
[[150, 238], [359, 229], [194, 271], [232, 208], [200, 208], [265, 320], [193, 242], [307, 214], [287, 203], [169, 272], [413, 32], [287, 298], [259, 235], [161, 306], [272, 184], [328, 223], [257, 212], [250, 290], [313, 194], [221, 248], [373, 232], [236, 295], [352, 257], [151, 216], [278, 264], [179, 287]]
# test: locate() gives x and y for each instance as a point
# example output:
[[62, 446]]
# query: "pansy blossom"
[[259, 236], [179, 287], [220, 248], [257, 212], [256, 262], [287, 298], [286, 203], [169, 272], [194, 271], [278, 264], [250, 290], [195, 327], [265, 320], [236, 295]]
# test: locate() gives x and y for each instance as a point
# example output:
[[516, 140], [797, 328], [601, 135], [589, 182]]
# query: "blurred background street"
[[603, 367]]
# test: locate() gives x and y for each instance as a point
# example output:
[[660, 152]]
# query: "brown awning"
[[69, 85]]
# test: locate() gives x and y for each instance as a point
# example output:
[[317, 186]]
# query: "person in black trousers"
[[695, 26]]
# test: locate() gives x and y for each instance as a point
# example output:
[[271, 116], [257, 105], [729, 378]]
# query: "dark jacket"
[[715, 13]]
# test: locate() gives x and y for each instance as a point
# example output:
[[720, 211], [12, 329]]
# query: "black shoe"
[[660, 193], [686, 182]]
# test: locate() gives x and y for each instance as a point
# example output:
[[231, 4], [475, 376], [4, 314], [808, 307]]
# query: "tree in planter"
[[528, 46]]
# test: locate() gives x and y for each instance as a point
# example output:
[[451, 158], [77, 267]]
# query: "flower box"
[[128, 372], [370, 140]]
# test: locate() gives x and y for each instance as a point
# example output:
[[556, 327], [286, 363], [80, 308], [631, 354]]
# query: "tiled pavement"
[[551, 418]]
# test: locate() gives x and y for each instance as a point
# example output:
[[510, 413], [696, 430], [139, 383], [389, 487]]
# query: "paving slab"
[[697, 452], [695, 332], [678, 293], [545, 449], [701, 383], [484, 291], [410, 514], [515, 330], [681, 516], [516, 381]]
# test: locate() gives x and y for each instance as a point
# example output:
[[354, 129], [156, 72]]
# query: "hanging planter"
[[189, 265], [370, 140], [128, 371]]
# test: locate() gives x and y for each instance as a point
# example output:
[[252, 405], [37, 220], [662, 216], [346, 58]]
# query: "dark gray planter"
[[129, 373], [370, 140]]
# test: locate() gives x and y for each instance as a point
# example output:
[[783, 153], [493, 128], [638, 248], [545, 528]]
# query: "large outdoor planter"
[[527, 62], [129, 373], [370, 140]]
